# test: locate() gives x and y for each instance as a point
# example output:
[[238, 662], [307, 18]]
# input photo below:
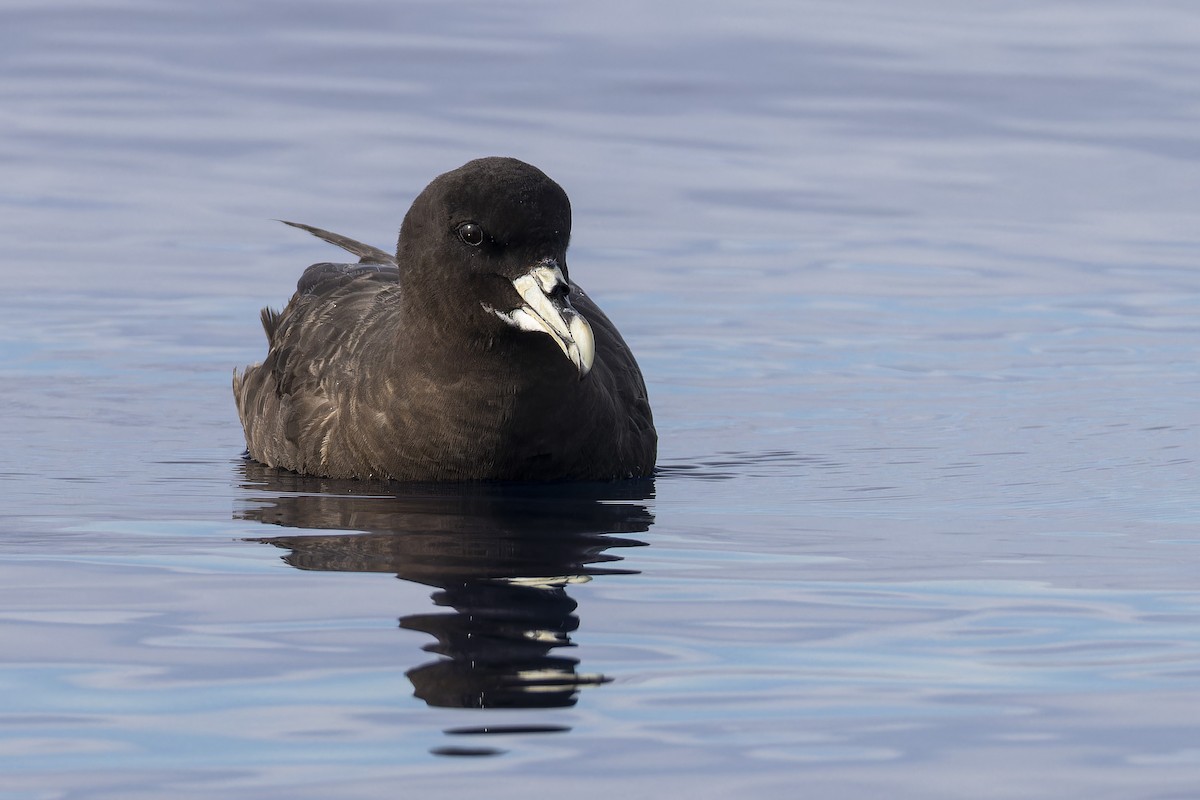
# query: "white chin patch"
[[521, 319]]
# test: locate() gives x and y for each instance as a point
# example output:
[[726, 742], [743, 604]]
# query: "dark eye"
[[471, 234]]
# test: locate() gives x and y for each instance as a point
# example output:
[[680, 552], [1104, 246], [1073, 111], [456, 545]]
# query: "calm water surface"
[[914, 289]]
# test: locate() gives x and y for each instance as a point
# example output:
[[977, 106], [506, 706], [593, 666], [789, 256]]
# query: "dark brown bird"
[[469, 355]]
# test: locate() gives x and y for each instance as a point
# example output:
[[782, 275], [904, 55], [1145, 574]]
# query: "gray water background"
[[914, 288]]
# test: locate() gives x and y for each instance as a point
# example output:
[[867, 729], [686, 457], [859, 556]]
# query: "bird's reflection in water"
[[500, 556]]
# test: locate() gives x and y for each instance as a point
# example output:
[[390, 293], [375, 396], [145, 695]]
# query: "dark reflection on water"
[[500, 556]]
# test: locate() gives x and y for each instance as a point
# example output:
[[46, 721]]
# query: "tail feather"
[[270, 320], [365, 252]]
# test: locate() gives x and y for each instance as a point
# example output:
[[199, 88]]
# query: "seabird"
[[469, 355]]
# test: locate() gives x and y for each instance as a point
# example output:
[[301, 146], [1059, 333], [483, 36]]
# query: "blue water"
[[914, 289]]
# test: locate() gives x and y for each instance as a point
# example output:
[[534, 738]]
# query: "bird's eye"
[[470, 233]]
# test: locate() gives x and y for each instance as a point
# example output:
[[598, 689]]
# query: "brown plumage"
[[461, 358]]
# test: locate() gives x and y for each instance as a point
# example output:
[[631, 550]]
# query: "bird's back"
[[324, 346]]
